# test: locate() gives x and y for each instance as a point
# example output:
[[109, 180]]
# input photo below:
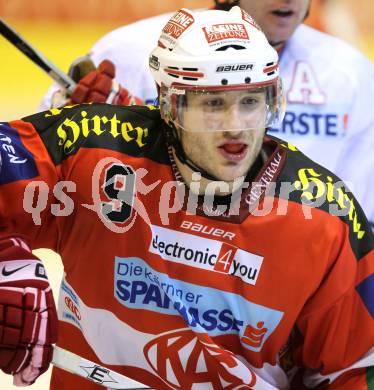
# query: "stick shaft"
[[36, 57], [101, 375]]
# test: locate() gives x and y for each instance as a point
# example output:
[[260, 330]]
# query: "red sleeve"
[[340, 352], [27, 178]]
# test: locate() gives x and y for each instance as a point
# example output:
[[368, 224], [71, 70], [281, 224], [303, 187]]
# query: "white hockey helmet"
[[210, 61]]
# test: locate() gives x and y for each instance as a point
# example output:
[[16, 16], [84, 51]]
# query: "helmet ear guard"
[[168, 105], [165, 106]]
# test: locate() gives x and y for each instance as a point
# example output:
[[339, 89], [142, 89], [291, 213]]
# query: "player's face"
[[277, 18], [229, 154]]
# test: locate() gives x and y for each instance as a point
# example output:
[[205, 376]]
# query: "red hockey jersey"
[[184, 292]]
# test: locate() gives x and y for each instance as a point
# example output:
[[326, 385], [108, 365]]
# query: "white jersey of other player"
[[328, 84]]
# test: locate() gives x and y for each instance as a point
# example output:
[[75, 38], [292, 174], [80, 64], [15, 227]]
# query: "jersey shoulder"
[[132, 36], [132, 130], [303, 181], [311, 44]]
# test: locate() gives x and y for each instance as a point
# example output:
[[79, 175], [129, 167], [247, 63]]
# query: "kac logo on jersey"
[[73, 308], [16, 162], [69, 306], [186, 360]]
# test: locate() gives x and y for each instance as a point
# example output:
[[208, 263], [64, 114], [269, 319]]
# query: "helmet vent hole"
[[191, 69], [224, 81], [190, 78], [247, 80]]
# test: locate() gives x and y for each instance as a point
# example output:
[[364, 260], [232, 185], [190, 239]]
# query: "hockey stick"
[[37, 57], [103, 376]]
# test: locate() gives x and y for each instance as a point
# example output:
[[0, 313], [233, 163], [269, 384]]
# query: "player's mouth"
[[283, 13], [233, 151]]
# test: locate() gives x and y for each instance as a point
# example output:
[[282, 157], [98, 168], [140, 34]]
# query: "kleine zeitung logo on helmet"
[[219, 32], [178, 24], [248, 18]]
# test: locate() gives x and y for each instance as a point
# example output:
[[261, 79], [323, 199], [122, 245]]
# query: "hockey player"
[[328, 84], [198, 253]]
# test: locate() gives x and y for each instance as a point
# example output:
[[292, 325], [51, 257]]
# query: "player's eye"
[[213, 103], [249, 101]]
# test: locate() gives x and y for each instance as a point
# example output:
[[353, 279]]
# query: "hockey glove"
[[28, 318], [99, 86]]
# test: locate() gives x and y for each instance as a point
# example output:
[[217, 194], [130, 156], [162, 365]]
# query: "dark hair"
[[225, 5]]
